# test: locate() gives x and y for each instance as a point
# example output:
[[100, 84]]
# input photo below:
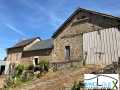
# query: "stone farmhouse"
[[86, 36], [30, 51]]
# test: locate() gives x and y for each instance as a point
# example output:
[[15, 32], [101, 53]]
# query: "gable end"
[[61, 28]]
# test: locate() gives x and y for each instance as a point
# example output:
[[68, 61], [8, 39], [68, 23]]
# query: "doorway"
[[36, 61], [2, 71]]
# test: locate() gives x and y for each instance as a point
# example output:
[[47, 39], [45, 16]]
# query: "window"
[[67, 52]]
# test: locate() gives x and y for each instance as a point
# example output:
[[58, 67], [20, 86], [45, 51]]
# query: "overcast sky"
[[20, 19]]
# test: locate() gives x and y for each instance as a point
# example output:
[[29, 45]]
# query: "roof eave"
[[38, 49], [23, 45]]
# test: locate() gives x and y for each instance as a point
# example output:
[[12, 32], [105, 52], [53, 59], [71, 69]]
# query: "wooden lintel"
[[72, 35]]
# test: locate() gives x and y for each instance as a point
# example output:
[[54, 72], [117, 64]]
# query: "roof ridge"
[[25, 42], [99, 12]]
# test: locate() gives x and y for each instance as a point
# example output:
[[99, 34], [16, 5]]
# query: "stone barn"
[[30, 51], [88, 36]]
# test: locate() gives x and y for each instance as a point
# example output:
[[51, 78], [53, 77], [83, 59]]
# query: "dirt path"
[[57, 80]]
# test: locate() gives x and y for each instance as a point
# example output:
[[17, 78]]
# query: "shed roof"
[[43, 44]]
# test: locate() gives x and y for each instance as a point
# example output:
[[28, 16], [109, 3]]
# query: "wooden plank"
[[102, 47]]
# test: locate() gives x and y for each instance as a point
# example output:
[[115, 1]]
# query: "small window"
[[67, 52], [36, 61]]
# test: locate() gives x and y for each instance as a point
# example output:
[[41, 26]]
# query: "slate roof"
[[43, 44], [75, 13], [24, 42]]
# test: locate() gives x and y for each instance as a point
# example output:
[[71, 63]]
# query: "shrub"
[[9, 82], [27, 75], [19, 70], [74, 87], [20, 75], [30, 67], [44, 65], [77, 86]]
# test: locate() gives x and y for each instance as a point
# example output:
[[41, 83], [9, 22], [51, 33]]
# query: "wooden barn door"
[[102, 47]]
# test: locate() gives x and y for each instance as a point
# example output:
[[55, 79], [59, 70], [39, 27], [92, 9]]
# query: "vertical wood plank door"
[[102, 47]]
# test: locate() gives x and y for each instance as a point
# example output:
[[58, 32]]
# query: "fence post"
[[118, 61]]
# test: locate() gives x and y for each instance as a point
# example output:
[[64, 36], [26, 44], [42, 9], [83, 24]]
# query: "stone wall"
[[65, 65], [75, 44], [28, 57], [29, 60], [72, 34], [14, 55]]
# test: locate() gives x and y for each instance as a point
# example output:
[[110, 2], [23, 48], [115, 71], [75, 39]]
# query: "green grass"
[[18, 83]]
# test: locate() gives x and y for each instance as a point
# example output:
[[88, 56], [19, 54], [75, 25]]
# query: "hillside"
[[58, 80]]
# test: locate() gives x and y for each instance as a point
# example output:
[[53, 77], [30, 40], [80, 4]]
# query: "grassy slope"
[[57, 80]]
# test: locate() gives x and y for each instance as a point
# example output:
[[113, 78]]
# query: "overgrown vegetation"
[[77, 86], [24, 73], [44, 65], [19, 70]]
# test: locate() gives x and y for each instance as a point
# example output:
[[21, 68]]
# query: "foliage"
[[44, 65], [29, 67], [27, 75], [19, 70], [9, 82], [41, 68], [19, 76], [77, 86]]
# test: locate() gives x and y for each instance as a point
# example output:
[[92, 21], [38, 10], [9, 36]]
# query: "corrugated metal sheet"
[[102, 47]]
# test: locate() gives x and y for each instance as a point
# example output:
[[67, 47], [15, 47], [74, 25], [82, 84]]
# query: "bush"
[[27, 75], [20, 75], [77, 86], [19, 70], [44, 65], [9, 82], [30, 67]]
